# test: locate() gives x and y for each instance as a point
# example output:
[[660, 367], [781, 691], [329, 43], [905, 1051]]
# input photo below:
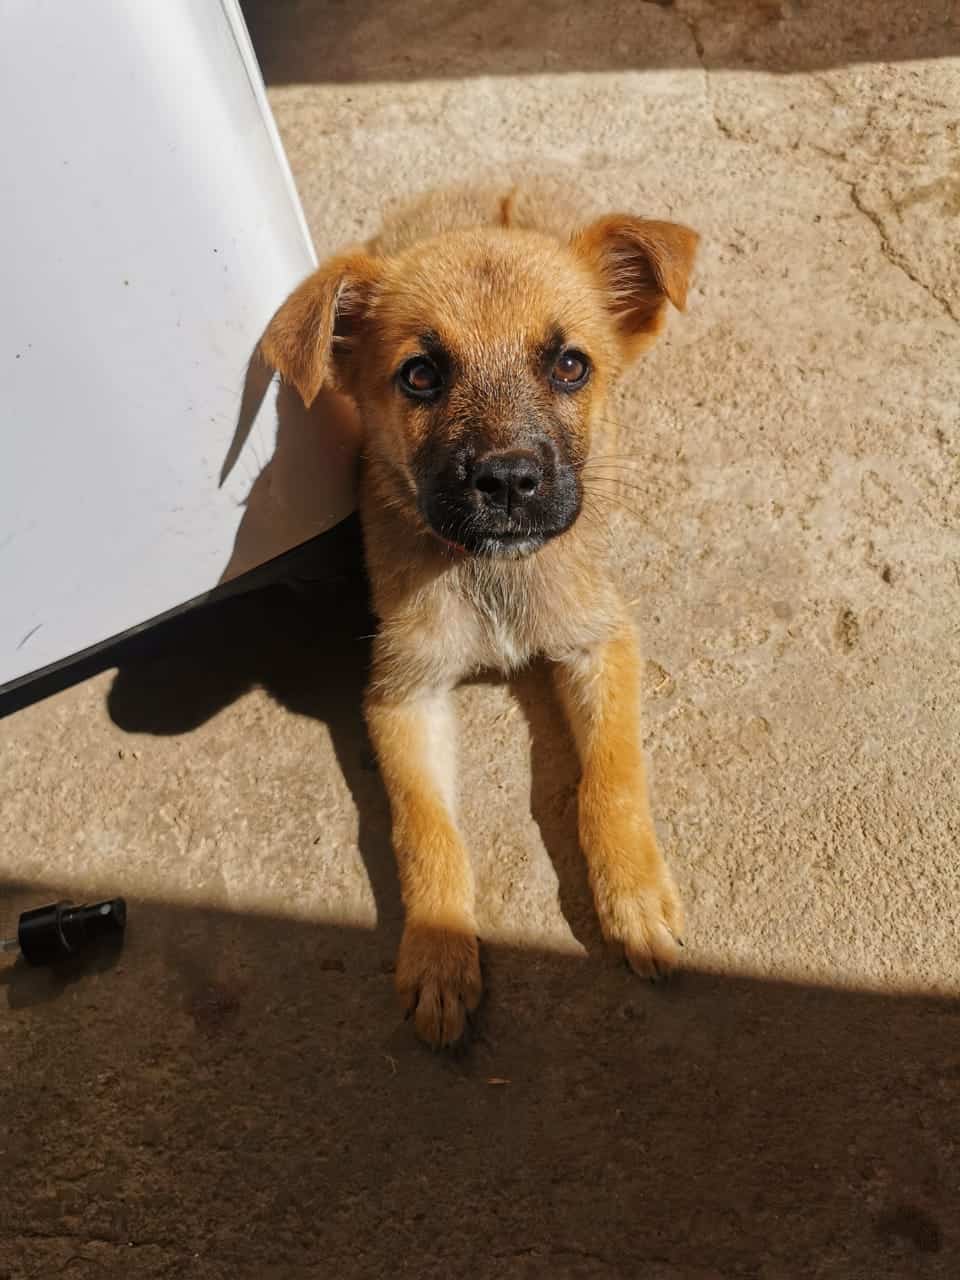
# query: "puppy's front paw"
[[438, 981], [646, 920]]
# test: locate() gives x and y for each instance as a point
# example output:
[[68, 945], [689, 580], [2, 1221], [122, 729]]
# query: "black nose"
[[507, 480]]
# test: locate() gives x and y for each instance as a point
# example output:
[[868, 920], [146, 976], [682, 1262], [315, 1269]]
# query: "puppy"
[[480, 346]]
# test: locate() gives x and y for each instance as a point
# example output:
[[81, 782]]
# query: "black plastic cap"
[[48, 934]]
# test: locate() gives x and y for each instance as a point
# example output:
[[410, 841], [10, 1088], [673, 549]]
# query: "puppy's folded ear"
[[312, 337], [642, 265]]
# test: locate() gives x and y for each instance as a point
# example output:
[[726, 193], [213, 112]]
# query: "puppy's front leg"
[[438, 966], [634, 892]]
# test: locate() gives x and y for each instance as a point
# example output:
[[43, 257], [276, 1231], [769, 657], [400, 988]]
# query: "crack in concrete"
[[690, 22], [893, 255], [79, 1239]]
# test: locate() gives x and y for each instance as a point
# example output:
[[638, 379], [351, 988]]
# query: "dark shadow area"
[[331, 41], [27, 984], [236, 1097]]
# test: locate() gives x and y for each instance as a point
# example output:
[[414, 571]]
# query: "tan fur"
[[489, 277]]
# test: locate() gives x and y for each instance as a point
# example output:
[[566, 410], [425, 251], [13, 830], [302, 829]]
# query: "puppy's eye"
[[420, 378], [570, 371]]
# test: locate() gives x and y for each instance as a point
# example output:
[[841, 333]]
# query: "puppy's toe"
[[438, 981], [652, 952], [647, 924]]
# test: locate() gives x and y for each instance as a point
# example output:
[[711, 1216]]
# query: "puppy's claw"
[[655, 961], [438, 981], [638, 922]]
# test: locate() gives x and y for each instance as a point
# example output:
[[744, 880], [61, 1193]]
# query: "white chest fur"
[[505, 611]]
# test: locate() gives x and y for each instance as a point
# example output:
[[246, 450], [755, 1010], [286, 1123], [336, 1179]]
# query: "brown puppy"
[[480, 352]]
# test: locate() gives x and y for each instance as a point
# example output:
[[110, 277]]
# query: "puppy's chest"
[[509, 621], [503, 643]]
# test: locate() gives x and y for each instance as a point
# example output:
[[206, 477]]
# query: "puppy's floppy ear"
[[642, 266], [310, 339]]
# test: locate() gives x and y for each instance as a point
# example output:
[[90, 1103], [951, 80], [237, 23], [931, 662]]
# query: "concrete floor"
[[234, 1095]]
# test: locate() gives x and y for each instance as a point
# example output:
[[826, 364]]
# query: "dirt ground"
[[234, 1095]]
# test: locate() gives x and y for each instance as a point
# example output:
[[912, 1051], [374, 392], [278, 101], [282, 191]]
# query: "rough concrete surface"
[[234, 1095]]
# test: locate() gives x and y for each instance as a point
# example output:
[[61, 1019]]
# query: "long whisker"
[[612, 457], [629, 465], [613, 469], [602, 477], [617, 505], [613, 484]]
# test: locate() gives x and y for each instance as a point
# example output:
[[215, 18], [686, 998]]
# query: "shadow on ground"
[[328, 41], [236, 1097]]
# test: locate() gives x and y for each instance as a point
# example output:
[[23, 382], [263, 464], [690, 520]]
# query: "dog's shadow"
[[309, 648]]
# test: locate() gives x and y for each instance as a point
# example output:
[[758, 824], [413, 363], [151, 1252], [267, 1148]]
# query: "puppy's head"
[[479, 361]]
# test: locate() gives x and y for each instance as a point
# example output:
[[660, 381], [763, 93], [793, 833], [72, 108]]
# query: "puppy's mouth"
[[506, 504], [510, 546], [479, 533]]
